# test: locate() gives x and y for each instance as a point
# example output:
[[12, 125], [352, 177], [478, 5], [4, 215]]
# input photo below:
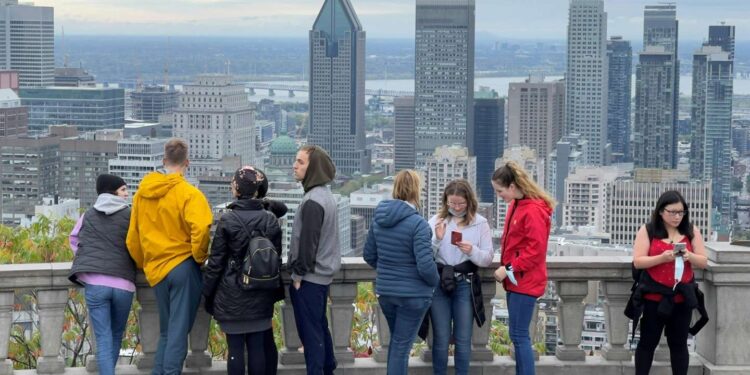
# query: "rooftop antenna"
[[166, 68], [65, 54]]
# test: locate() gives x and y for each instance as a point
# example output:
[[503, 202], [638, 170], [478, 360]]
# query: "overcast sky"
[[503, 19]]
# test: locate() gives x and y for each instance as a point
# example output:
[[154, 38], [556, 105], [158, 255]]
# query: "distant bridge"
[[291, 89]]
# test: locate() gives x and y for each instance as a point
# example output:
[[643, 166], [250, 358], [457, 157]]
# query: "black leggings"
[[262, 356], [677, 327]]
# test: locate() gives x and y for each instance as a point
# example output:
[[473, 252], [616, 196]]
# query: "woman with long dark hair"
[[523, 269], [668, 248]]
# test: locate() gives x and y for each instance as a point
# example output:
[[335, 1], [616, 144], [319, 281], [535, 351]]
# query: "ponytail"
[[512, 173]]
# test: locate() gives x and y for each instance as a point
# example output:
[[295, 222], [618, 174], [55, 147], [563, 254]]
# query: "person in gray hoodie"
[[103, 266], [314, 257]]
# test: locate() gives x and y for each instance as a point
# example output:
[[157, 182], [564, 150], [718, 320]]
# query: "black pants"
[[262, 357], [309, 303], [675, 328]]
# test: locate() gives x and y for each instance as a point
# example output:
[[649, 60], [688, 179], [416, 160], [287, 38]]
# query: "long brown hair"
[[512, 173], [463, 189]]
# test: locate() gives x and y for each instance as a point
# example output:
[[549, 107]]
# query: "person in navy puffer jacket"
[[399, 248]]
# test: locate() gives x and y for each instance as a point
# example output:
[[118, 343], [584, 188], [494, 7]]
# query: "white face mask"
[[456, 214], [679, 269]]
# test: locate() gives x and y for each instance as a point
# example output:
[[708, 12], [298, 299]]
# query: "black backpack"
[[261, 263]]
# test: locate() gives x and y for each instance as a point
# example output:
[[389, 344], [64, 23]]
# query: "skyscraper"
[[82, 159], [661, 77], [654, 131], [216, 119], [445, 165], [150, 102], [586, 78], [27, 42], [337, 86], [536, 111], [444, 79], [723, 36], [489, 122], [620, 60], [711, 115], [404, 137]]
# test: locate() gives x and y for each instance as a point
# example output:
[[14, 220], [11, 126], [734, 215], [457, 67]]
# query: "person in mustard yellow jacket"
[[168, 238]]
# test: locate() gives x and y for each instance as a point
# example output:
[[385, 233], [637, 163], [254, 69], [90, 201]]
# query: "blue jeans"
[[108, 309], [177, 297], [404, 316], [520, 310], [309, 303], [452, 315]]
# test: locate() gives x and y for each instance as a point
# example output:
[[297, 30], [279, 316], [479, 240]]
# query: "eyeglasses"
[[675, 213], [454, 204]]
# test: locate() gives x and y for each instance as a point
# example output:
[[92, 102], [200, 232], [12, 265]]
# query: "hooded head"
[[249, 182], [313, 167], [108, 183]]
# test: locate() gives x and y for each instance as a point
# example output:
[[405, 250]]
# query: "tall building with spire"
[[444, 78], [586, 78], [337, 86]]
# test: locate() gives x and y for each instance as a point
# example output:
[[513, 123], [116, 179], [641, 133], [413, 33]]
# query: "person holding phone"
[[668, 247], [462, 242], [523, 270]]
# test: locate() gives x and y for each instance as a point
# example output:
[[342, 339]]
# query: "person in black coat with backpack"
[[244, 311]]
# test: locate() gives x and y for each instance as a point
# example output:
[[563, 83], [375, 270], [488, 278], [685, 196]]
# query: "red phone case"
[[456, 237]]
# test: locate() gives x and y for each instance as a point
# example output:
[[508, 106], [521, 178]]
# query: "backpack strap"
[[252, 235]]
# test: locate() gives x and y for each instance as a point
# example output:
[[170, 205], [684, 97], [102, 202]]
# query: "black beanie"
[[248, 181], [108, 183]]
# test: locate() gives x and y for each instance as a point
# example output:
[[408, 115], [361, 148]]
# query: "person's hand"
[[686, 256], [500, 274], [667, 256], [297, 284], [465, 247], [440, 229]]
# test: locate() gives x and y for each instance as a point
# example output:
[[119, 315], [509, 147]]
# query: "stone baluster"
[[571, 311], [199, 356], [290, 354], [6, 321], [148, 322], [342, 314], [51, 305], [617, 294], [380, 353], [91, 364], [480, 336]]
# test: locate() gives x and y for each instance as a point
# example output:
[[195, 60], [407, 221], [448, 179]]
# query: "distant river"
[[499, 84]]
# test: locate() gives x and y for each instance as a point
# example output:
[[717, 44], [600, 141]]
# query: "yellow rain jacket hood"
[[170, 222]]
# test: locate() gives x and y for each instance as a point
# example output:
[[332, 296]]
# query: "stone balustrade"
[[721, 347]]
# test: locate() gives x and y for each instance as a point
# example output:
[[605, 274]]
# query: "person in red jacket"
[[523, 270]]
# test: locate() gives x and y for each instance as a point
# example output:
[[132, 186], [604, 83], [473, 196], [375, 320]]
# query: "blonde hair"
[[407, 186], [463, 189], [512, 173]]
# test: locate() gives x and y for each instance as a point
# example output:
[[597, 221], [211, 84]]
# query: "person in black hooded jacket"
[[244, 315]]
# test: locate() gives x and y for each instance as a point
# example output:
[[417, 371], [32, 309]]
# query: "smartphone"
[[679, 249], [456, 237]]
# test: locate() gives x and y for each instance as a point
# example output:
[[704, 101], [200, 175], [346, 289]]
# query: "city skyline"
[[382, 18]]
